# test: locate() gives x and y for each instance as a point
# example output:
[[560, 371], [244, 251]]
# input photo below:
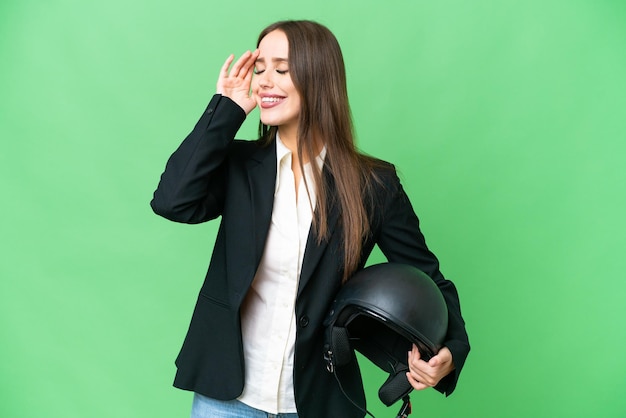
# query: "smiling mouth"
[[271, 99], [268, 102]]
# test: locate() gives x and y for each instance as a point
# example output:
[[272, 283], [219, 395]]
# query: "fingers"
[[417, 385], [424, 374], [249, 66], [229, 60], [243, 67], [418, 374], [434, 361], [416, 353], [235, 79], [221, 80]]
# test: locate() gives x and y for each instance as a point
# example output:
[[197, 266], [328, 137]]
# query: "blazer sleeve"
[[191, 189], [402, 241]]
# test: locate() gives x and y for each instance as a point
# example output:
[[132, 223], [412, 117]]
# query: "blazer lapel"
[[251, 231], [314, 250], [262, 181]]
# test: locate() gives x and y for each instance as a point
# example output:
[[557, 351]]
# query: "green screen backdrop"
[[506, 120]]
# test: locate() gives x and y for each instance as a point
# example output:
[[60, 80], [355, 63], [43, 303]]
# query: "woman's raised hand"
[[235, 82]]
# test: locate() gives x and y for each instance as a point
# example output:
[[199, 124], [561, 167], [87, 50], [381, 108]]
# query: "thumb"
[[434, 361]]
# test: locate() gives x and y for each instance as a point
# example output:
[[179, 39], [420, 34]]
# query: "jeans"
[[204, 407]]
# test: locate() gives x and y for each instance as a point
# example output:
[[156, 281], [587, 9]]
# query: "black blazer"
[[212, 175]]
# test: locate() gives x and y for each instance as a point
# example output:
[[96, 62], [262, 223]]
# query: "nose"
[[264, 80]]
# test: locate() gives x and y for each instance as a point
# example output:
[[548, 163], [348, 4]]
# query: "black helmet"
[[380, 312]]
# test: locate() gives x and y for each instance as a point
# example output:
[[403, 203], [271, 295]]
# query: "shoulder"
[[379, 173]]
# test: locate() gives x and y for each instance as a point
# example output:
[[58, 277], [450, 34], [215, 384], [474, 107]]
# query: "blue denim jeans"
[[204, 407]]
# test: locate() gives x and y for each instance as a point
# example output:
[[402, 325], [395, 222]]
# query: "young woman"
[[301, 211]]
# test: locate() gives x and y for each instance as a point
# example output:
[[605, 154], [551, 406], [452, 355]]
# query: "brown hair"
[[317, 70]]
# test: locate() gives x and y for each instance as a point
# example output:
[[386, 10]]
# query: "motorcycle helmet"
[[380, 312]]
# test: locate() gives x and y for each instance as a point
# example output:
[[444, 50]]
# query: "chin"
[[270, 121]]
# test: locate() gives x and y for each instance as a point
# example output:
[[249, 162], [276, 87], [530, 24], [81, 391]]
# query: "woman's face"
[[272, 87]]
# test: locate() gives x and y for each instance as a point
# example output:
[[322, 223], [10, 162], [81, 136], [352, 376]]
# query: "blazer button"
[[304, 321]]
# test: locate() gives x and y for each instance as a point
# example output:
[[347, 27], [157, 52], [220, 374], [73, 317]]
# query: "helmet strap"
[[405, 410], [363, 409]]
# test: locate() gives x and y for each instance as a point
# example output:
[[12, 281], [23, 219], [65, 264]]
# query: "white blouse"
[[268, 313]]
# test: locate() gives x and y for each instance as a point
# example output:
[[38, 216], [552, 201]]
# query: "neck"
[[289, 137]]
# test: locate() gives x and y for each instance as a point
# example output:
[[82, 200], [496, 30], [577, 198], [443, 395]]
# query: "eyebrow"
[[262, 60]]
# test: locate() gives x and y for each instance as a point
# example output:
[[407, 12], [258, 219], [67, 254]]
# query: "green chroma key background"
[[506, 120]]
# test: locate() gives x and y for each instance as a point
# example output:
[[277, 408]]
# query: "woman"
[[301, 211]]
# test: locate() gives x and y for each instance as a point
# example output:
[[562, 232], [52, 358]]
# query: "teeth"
[[270, 99]]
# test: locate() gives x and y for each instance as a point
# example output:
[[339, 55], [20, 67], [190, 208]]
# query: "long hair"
[[317, 70]]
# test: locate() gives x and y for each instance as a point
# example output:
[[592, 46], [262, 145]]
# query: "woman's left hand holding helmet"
[[422, 374]]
